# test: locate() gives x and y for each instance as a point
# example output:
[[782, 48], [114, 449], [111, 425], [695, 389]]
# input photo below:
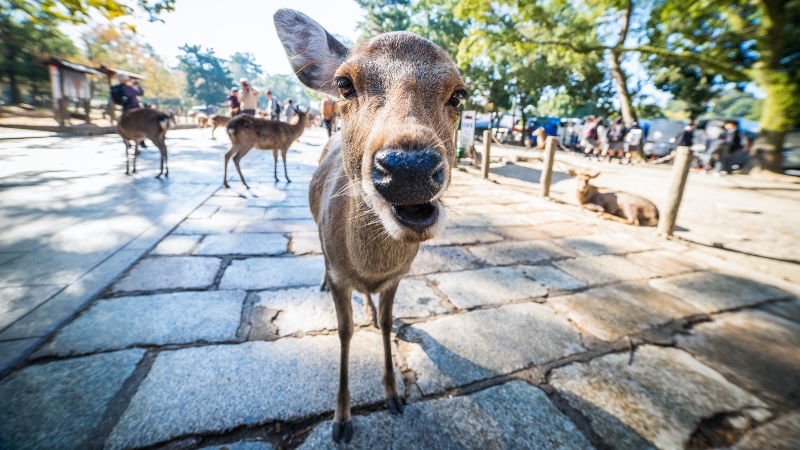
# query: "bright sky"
[[230, 26]]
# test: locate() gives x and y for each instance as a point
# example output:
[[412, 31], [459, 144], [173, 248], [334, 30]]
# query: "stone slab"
[[203, 212], [711, 292], [176, 245], [442, 259], [306, 242], [276, 226], [604, 244], [16, 301], [414, 298], [176, 318], [664, 263], [603, 269], [754, 349], [525, 252], [239, 213], [12, 351], [780, 434], [459, 349], [491, 286], [217, 388], [271, 273], [512, 415], [241, 445], [657, 401], [169, 272], [788, 309], [556, 281], [304, 310], [464, 236], [206, 226], [61, 403], [288, 212], [612, 312], [243, 244]]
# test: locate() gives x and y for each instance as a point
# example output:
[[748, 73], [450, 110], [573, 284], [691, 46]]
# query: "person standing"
[[633, 141], [288, 110], [273, 106], [248, 98], [233, 101], [328, 114], [685, 138]]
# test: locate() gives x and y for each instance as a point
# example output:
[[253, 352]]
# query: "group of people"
[[604, 139], [725, 149], [244, 100]]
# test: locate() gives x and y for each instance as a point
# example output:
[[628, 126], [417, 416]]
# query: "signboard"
[[466, 136]]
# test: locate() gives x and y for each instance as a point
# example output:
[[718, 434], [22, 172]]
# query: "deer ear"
[[594, 175], [313, 53], [572, 173]]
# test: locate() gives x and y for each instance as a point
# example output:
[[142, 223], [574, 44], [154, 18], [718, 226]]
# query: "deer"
[[378, 193], [541, 138], [217, 120], [140, 123], [247, 132], [635, 210], [202, 120]]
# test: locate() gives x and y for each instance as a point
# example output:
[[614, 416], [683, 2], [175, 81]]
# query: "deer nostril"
[[408, 177]]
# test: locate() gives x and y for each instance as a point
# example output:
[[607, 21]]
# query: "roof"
[[109, 70], [64, 64]]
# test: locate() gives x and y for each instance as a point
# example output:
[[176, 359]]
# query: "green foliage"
[[736, 103], [207, 78], [283, 87], [382, 16], [688, 84], [243, 65]]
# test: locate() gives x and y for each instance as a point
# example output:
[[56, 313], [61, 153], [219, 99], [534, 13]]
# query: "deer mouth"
[[417, 217]]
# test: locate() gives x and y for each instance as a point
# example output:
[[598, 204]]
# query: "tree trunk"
[[621, 84], [779, 115]]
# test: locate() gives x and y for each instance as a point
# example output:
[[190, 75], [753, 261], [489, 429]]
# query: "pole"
[[487, 145], [547, 172], [680, 172]]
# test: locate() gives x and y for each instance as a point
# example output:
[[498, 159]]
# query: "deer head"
[[582, 180], [398, 98]]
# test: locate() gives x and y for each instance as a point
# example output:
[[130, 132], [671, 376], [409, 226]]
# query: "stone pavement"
[[527, 324]]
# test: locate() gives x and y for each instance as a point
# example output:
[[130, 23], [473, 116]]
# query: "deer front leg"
[[593, 207], [342, 423], [393, 400], [236, 158], [228, 155], [285, 173], [135, 154], [127, 156], [275, 156]]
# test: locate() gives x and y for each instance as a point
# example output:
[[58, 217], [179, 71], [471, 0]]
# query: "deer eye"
[[346, 87], [456, 98]]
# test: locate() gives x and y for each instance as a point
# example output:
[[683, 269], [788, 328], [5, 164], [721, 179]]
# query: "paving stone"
[[464, 236], [243, 244], [216, 388], [664, 264], [512, 415], [218, 200], [459, 349], [414, 298], [525, 252], [275, 226], [305, 242], [270, 273], [240, 213], [471, 210], [177, 318], [657, 401], [556, 281], [603, 269], [303, 310], [203, 212], [176, 245], [241, 445], [12, 351], [290, 212], [521, 233], [711, 292], [780, 434], [17, 301], [442, 259], [61, 403], [169, 272], [754, 349], [479, 220], [542, 217], [206, 226], [283, 202], [491, 286], [615, 311], [604, 244], [788, 310]]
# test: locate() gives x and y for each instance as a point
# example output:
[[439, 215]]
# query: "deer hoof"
[[226, 184], [395, 405], [342, 431], [323, 287], [288, 180]]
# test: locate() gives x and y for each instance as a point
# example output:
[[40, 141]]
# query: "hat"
[[234, 88], [268, 92], [243, 80]]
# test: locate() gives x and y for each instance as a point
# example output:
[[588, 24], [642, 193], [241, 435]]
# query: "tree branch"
[[732, 73]]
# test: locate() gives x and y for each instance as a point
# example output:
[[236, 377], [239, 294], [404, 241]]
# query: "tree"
[[243, 65], [736, 103], [382, 16], [694, 88], [207, 78]]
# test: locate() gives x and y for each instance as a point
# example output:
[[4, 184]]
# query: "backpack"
[[278, 107], [634, 137], [591, 133], [118, 95]]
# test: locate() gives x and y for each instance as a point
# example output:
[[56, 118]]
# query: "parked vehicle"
[[791, 151], [205, 109], [660, 137]]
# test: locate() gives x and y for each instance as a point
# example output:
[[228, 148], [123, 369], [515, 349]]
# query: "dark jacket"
[[684, 138], [132, 93]]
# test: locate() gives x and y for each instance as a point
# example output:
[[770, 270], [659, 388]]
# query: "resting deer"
[[634, 209], [377, 194], [140, 123], [247, 132], [217, 120]]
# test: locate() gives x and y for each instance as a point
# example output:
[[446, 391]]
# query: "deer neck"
[[586, 195]]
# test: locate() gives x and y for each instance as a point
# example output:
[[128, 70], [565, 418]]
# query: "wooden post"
[[547, 171], [487, 145], [680, 171]]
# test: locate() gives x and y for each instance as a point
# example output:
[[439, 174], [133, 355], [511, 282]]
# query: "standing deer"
[[217, 120], [247, 132], [634, 209], [377, 194], [140, 123]]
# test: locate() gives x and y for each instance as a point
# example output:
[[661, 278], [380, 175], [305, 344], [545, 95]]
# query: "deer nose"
[[408, 177]]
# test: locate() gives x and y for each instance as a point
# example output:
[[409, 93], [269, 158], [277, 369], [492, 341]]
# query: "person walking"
[[248, 98], [328, 114], [273, 106], [615, 137], [633, 141], [288, 110], [233, 101]]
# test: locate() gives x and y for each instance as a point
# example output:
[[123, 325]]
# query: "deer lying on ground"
[[377, 194], [247, 132], [634, 209], [140, 123], [217, 120]]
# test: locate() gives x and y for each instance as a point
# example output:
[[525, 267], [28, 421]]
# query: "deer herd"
[[377, 193]]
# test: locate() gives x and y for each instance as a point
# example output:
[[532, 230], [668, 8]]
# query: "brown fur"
[[202, 120], [247, 132], [217, 120], [403, 83], [541, 138], [634, 209], [145, 123]]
